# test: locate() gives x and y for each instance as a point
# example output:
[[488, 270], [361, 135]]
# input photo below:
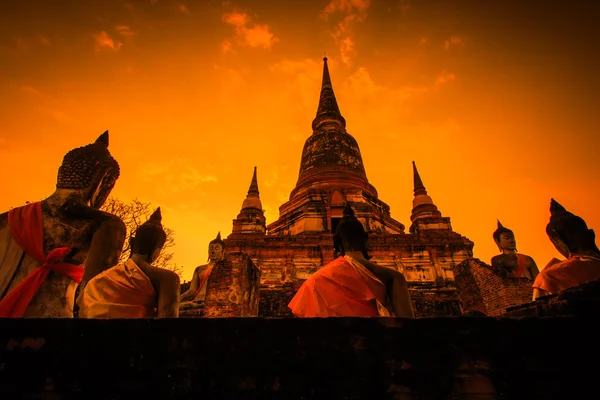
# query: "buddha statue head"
[[568, 232], [504, 238], [149, 238], [216, 248], [350, 234], [90, 171]]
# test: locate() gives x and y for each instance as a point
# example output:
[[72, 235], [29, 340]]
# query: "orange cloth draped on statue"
[[521, 263], [343, 288], [26, 226], [203, 279], [123, 291], [574, 271]]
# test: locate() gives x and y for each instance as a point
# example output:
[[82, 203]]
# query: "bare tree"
[[133, 215]]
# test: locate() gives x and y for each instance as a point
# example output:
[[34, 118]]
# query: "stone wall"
[[480, 289], [292, 358], [233, 288], [429, 301]]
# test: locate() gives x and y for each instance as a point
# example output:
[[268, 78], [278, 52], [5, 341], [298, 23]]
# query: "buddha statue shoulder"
[[195, 295], [45, 245], [510, 263], [573, 239]]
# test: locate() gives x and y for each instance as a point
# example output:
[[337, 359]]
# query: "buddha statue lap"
[[510, 263], [44, 245], [192, 301]]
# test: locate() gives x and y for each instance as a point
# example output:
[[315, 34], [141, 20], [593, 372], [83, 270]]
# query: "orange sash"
[[27, 229], [521, 263], [203, 279], [340, 289]]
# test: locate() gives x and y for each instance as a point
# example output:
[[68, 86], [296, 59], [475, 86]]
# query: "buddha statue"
[[45, 245], [193, 298], [509, 263], [571, 237], [135, 288], [351, 285]]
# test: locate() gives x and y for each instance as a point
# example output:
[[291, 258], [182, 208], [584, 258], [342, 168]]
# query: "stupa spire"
[[253, 190], [419, 187], [328, 110]]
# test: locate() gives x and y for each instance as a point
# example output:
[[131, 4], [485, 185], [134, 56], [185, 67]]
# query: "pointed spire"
[[500, 226], [253, 190], [218, 236], [328, 110], [156, 216], [419, 188], [103, 139]]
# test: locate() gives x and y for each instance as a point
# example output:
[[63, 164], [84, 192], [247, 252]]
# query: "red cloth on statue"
[[521, 263], [27, 229], [203, 279], [340, 289]]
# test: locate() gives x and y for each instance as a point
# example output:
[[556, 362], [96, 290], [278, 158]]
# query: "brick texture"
[[480, 289], [233, 288]]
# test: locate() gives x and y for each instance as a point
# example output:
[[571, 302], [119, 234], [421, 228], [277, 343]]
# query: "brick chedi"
[[332, 174]]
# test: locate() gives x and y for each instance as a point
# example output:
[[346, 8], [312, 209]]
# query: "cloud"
[[227, 47], [444, 77], [249, 34], [175, 175], [183, 8], [353, 11], [124, 30], [103, 40], [423, 41], [454, 41]]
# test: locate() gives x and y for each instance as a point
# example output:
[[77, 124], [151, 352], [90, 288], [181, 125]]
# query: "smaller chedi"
[[192, 301], [135, 288], [572, 238], [510, 263]]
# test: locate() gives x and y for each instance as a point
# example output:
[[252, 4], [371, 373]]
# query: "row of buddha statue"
[[61, 254]]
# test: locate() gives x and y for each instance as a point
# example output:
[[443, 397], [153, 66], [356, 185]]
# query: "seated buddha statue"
[[510, 263], [193, 298], [135, 288], [571, 237], [44, 245], [350, 285]]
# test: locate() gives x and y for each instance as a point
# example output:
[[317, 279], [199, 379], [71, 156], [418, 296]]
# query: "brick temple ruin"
[[290, 249]]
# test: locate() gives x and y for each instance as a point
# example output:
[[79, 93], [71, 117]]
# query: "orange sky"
[[496, 101]]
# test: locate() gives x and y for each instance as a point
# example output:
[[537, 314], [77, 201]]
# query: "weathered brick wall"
[[293, 358], [480, 289], [233, 288], [274, 301], [433, 302]]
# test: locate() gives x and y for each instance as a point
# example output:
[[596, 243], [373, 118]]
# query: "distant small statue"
[[194, 297], [510, 263], [135, 288], [351, 285], [43, 245], [572, 238]]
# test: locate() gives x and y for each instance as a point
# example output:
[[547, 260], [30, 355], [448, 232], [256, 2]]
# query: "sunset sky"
[[496, 101]]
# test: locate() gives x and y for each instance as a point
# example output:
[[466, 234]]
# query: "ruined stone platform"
[[341, 358]]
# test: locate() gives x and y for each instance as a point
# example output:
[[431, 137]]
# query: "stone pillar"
[[481, 290], [233, 288]]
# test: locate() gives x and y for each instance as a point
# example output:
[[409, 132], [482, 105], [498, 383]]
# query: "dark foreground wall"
[[459, 358]]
